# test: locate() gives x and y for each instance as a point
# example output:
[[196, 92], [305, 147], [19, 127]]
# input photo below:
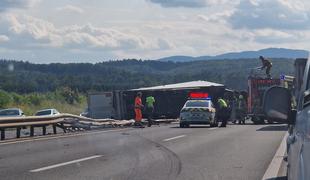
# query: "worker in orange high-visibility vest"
[[138, 110]]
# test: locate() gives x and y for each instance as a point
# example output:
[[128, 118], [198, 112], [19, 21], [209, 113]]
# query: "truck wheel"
[[257, 120], [253, 119], [270, 121], [262, 120]]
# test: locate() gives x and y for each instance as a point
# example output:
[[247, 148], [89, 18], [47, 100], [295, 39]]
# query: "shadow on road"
[[273, 128], [193, 126], [278, 178]]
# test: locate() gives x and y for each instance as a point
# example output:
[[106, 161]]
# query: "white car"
[[11, 112], [198, 111], [47, 112]]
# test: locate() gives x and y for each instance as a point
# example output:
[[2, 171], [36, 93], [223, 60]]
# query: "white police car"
[[198, 111]]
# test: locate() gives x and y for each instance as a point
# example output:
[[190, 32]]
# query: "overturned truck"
[[169, 99]]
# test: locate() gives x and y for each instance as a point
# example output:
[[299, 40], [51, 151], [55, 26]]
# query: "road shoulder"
[[275, 169]]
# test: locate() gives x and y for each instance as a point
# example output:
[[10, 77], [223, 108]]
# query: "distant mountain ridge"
[[269, 52]]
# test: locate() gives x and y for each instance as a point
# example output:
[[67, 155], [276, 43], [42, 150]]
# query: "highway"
[[167, 152]]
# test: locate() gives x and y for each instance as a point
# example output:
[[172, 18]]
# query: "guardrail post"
[[31, 131], [2, 133], [54, 129], [18, 132], [63, 127], [44, 130]]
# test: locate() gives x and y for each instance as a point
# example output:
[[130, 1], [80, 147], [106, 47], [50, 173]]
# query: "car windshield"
[[10, 112], [197, 104], [45, 112]]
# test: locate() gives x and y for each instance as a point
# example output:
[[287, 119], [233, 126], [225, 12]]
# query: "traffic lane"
[[138, 158], [172, 131], [157, 160], [204, 155], [236, 152], [142, 156], [17, 159], [23, 156]]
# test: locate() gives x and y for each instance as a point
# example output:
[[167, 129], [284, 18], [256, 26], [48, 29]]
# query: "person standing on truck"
[[150, 100], [138, 110], [266, 64], [222, 112]]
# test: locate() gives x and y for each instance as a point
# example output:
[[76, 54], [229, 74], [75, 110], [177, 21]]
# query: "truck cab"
[[293, 108], [256, 88]]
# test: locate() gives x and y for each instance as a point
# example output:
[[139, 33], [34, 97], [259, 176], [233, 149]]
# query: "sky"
[[45, 31]]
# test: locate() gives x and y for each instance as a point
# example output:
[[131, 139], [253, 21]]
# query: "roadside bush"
[[17, 99], [34, 99], [68, 95], [64, 100], [5, 99]]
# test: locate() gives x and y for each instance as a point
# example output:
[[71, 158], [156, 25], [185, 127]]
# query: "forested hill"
[[24, 77]]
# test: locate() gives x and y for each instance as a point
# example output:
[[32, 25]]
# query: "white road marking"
[[64, 164], [177, 137], [275, 164], [213, 128], [59, 136]]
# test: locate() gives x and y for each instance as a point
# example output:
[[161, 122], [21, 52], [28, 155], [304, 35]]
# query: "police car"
[[198, 109]]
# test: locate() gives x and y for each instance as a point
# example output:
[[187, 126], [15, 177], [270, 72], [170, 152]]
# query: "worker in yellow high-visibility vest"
[[222, 112], [150, 100]]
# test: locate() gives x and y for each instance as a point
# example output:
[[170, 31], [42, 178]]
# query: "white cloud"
[[27, 32], [181, 3], [71, 9], [192, 3], [222, 2], [276, 14], [164, 44], [4, 38], [275, 37], [220, 17], [110, 29], [8, 4]]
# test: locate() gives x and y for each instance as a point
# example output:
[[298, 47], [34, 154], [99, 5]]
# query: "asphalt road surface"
[[167, 152]]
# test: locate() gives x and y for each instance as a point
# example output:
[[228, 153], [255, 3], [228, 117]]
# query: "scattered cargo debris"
[[66, 122]]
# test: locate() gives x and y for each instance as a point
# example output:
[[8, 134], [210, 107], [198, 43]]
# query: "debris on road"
[[66, 122]]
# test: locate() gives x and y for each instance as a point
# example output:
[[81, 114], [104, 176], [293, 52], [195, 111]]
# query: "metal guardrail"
[[67, 122], [60, 121]]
